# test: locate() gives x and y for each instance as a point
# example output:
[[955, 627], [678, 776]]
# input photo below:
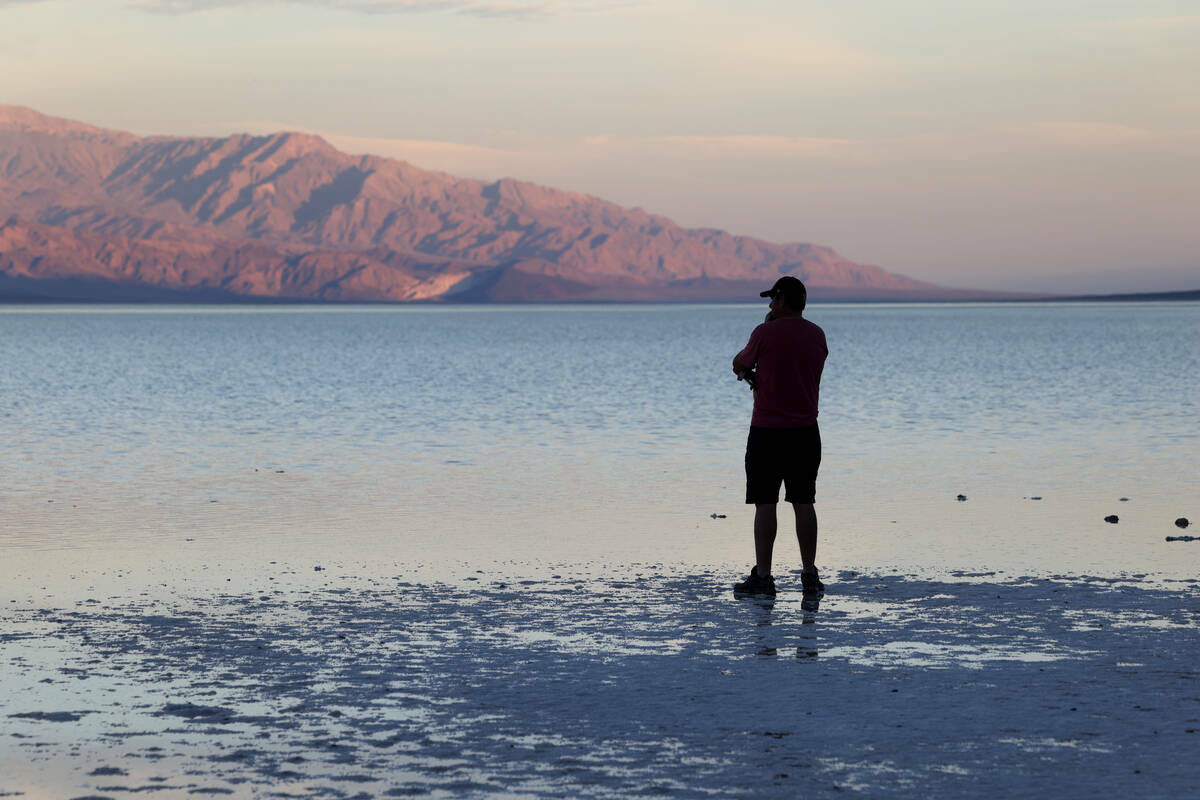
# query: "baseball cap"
[[791, 289]]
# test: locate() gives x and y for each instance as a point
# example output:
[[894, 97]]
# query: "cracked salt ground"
[[593, 685]]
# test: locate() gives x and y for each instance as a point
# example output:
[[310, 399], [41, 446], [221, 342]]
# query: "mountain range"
[[90, 213]]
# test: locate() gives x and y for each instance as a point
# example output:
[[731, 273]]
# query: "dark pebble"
[[1113, 518], [1182, 522]]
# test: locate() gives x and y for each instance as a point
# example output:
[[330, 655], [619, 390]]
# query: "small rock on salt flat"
[[101, 771]]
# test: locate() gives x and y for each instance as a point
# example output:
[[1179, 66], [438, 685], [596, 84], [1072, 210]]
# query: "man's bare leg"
[[806, 534], [765, 527]]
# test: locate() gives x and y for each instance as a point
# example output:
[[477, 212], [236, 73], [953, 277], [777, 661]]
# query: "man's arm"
[[744, 373], [747, 357]]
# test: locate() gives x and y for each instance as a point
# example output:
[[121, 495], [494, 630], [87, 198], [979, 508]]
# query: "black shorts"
[[790, 456]]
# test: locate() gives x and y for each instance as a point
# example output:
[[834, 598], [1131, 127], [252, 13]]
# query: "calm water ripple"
[[599, 430]]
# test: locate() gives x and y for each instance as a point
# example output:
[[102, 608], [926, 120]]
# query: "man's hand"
[[744, 372]]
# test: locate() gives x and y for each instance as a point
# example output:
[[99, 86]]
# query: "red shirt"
[[788, 355]]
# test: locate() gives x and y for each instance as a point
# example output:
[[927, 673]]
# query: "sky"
[[1037, 145]]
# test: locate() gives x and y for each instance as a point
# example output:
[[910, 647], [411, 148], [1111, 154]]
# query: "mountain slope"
[[287, 215]]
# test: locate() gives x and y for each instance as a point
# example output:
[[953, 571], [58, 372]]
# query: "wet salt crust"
[[592, 682]]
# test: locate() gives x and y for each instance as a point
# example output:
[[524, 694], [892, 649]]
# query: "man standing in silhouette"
[[783, 363]]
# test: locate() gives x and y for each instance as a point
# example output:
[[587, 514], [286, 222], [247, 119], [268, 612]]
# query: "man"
[[783, 363]]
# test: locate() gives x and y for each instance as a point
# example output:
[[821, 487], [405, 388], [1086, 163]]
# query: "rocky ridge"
[[95, 213]]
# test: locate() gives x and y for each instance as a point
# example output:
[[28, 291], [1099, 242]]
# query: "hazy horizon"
[[1007, 146]]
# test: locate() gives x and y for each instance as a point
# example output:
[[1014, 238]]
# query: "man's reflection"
[[764, 609], [810, 605]]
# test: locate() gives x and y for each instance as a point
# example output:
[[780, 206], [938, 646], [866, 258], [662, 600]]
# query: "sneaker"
[[755, 585], [811, 582]]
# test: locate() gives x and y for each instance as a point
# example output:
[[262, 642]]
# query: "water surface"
[[462, 552], [462, 435]]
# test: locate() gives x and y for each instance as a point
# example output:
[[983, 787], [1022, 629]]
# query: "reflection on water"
[[806, 646]]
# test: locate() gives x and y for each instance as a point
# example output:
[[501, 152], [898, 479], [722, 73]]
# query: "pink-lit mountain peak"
[[436, 235]]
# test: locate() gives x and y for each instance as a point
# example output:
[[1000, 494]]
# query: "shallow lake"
[[480, 552], [453, 436]]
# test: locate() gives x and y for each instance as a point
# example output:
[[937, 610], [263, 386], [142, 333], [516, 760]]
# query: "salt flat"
[[592, 681]]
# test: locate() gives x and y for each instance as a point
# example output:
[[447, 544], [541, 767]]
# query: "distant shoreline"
[[218, 299], [1154, 297]]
